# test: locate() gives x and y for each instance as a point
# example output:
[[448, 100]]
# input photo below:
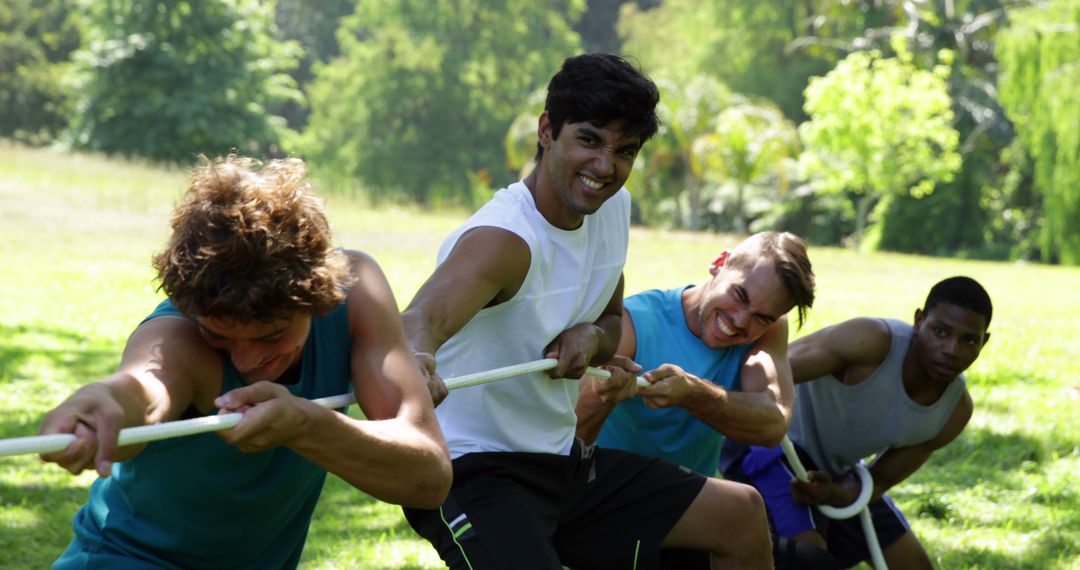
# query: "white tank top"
[[572, 277]]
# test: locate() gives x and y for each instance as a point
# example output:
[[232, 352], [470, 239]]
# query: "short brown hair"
[[788, 253], [251, 242]]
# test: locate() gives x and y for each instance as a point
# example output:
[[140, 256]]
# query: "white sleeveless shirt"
[[572, 277]]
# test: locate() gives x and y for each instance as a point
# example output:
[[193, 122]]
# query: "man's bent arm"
[[486, 267], [597, 397], [860, 342], [759, 414], [398, 453], [897, 464]]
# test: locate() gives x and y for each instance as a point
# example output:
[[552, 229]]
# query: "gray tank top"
[[839, 424]]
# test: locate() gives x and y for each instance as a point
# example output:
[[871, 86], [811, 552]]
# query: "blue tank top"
[[197, 502], [672, 433]]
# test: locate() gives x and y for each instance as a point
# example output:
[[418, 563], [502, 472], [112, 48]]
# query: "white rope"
[[858, 507], [128, 436]]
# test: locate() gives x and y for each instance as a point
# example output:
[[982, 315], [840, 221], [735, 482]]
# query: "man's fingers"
[[426, 361], [248, 395], [625, 363], [437, 389], [80, 454], [570, 365], [107, 433]]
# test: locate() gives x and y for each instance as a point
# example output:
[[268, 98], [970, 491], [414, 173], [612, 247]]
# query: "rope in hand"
[[858, 507], [141, 434]]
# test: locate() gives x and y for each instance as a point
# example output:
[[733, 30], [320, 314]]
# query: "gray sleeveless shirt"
[[839, 424]]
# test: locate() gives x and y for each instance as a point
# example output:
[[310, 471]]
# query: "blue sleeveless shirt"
[[672, 433], [198, 502]]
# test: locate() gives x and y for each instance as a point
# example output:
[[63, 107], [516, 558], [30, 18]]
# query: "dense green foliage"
[[1040, 60], [435, 102], [313, 25], [879, 128], [168, 79], [672, 187], [746, 44], [419, 102], [36, 41]]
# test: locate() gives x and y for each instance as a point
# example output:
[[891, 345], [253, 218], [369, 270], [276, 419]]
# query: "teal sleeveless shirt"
[[198, 502], [672, 433]]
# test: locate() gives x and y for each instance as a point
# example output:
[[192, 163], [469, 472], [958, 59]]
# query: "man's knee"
[[728, 520], [907, 552], [746, 506], [723, 513]]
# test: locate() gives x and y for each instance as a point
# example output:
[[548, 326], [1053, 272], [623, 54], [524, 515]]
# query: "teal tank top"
[[672, 433], [197, 502]]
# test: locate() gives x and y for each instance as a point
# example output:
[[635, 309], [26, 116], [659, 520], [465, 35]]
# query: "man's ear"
[[919, 316], [986, 339], [719, 262], [543, 130]]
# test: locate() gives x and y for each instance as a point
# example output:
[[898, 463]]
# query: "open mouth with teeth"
[[590, 183], [723, 326]]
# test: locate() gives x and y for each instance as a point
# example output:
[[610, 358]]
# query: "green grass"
[[78, 233]]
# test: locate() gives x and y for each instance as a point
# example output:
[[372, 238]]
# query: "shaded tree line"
[[945, 127]]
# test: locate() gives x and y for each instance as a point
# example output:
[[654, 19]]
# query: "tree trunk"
[[693, 188], [863, 205], [740, 217]]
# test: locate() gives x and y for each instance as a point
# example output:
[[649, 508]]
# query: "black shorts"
[[595, 508]]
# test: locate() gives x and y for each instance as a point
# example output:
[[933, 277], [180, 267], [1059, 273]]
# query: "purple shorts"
[[767, 470]]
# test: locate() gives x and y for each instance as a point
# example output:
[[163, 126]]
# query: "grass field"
[[77, 233]]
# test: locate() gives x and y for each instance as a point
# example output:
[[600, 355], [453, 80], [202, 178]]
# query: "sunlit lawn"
[[77, 234]]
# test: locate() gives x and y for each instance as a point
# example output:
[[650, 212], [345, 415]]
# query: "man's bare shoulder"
[[861, 340]]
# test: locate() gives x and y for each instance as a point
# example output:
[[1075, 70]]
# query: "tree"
[[1040, 71], [962, 214], [418, 104], [879, 128], [313, 25], [748, 149], [37, 38], [688, 109], [167, 79], [598, 25], [745, 44]]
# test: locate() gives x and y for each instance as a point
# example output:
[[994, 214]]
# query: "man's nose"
[[245, 357], [605, 161], [741, 318], [950, 346]]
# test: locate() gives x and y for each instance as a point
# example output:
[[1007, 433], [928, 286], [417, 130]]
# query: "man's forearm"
[[610, 328], [752, 418], [592, 412], [418, 332]]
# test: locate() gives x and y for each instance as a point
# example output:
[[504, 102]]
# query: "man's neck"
[[548, 202], [691, 305]]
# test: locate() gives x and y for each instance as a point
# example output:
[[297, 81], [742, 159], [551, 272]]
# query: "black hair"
[[602, 88], [964, 292]]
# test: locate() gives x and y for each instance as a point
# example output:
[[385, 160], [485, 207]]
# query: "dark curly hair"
[[251, 242]]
